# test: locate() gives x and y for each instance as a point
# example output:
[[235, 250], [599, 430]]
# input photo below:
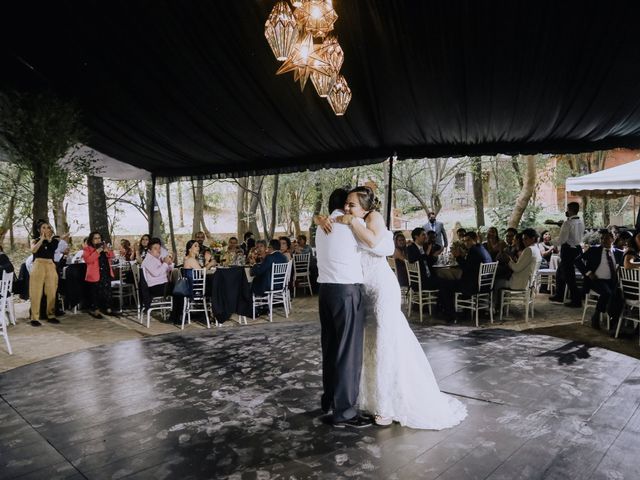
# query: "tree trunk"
[[295, 213], [478, 196], [180, 205], [606, 213], [516, 169], [170, 217], [198, 206], [7, 223], [40, 210], [529, 184], [60, 216], [98, 220], [317, 208], [242, 221], [274, 206], [256, 187], [154, 209]]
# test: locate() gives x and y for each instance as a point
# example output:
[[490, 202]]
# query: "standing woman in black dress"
[[44, 277]]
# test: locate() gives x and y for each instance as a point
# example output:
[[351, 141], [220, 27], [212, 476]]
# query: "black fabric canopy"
[[189, 87]]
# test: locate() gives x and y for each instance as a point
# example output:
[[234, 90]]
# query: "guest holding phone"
[[98, 256]]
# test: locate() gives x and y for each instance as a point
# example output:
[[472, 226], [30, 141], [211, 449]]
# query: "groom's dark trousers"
[[342, 334]]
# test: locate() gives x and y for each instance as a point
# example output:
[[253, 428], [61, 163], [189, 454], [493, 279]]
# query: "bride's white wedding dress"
[[397, 380]]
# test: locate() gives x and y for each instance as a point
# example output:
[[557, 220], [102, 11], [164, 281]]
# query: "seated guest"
[[248, 243], [262, 271], [233, 249], [126, 251], [200, 238], [258, 253], [632, 255], [620, 246], [460, 232], [191, 262], [285, 247], [547, 249], [416, 253], [303, 247], [63, 248], [5, 263], [511, 248], [599, 269], [400, 244], [432, 249], [141, 248], [98, 257], [156, 273], [493, 244], [528, 263], [469, 264], [399, 256], [79, 255]]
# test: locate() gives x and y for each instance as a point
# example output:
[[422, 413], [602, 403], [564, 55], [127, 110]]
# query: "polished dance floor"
[[243, 403]]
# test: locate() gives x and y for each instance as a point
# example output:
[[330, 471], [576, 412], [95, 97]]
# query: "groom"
[[341, 318]]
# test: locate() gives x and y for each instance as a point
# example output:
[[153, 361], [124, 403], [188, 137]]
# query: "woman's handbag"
[[182, 288]]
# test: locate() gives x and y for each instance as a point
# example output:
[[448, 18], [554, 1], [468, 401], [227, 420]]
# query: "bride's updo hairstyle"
[[366, 198]]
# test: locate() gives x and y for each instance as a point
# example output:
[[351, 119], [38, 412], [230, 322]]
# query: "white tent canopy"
[[104, 165], [612, 182]]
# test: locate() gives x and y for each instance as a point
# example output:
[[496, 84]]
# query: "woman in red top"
[[98, 256]]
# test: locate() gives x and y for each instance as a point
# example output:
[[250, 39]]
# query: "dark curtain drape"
[[189, 88]]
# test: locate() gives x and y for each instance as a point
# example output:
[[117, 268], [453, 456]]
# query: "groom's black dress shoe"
[[356, 422]]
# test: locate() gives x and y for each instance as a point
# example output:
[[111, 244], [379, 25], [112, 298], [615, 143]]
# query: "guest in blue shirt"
[[262, 271]]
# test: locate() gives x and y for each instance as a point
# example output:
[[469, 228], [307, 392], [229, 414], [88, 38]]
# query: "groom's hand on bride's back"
[[325, 223]]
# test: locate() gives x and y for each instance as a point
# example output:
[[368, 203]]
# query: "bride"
[[397, 382]]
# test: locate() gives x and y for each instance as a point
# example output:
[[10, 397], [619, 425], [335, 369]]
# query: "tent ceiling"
[[181, 88]]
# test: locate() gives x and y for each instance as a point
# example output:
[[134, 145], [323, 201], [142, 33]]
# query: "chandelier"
[[300, 38]]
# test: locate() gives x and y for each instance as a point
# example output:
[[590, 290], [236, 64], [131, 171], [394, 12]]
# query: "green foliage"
[[38, 129]]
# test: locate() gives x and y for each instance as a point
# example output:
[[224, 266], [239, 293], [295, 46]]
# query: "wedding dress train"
[[397, 380]]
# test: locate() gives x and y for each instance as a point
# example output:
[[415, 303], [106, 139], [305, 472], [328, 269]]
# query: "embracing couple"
[[371, 360]]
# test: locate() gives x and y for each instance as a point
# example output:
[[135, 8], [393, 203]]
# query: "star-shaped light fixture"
[[304, 60], [291, 37]]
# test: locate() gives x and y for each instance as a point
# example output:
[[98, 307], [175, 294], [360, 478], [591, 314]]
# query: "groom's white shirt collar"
[[338, 255]]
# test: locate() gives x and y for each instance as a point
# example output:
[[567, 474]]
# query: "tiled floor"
[[243, 403]]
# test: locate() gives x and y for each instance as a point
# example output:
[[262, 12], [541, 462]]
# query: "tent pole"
[[389, 193], [152, 206], [566, 199]]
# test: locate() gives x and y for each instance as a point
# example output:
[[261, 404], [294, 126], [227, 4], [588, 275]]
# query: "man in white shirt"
[[570, 239], [341, 317]]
